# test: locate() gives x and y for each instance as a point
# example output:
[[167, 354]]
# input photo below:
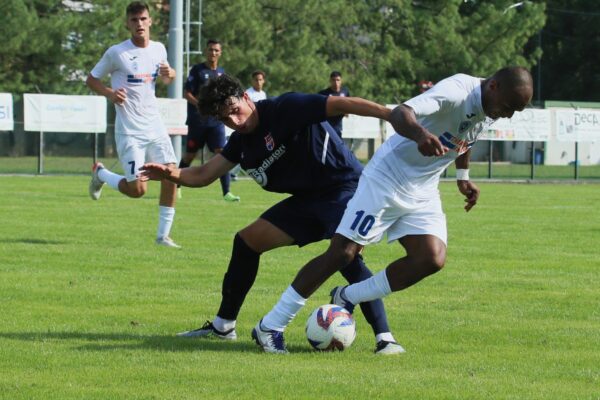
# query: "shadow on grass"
[[125, 341], [32, 241]]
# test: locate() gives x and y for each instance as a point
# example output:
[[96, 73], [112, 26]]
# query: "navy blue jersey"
[[336, 121], [198, 77], [293, 149]]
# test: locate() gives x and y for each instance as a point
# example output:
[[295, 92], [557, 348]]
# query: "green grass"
[[81, 165], [89, 305]]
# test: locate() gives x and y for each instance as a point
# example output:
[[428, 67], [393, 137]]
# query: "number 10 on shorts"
[[363, 222]]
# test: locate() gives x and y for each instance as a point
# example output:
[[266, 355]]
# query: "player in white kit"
[[134, 66], [398, 190]]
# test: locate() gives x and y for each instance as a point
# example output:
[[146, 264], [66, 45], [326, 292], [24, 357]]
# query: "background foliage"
[[382, 47]]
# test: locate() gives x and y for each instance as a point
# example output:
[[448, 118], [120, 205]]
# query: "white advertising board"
[[357, 127], [173, 113], [581, 125], [62, 113], [7, 122], [529, 125]]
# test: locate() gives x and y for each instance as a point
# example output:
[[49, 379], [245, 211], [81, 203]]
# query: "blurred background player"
[[336, 89], [134, 66], [287, 146], [204, 130], [256, 92]]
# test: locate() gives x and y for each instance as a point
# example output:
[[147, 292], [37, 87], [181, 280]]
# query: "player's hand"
[[470, 191], [429, 145], [154, 171], [119, 96], [165, 71]]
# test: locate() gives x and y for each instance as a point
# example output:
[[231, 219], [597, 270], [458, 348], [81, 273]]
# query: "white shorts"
[[378, 207], [135, 150]]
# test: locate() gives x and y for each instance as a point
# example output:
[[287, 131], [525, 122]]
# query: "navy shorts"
[[312, 219], [200, 135]]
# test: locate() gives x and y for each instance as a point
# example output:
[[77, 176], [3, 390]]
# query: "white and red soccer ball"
[[330, 327]]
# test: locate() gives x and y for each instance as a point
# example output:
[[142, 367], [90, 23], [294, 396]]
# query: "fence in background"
[[65, 134]]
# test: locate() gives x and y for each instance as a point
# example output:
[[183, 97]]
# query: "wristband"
[[462, 174]]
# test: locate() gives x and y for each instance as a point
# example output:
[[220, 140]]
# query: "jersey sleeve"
[[105, 66], [233, 149], [444, 96], [299, 109]]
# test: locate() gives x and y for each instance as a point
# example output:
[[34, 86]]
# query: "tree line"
[[382, 47]]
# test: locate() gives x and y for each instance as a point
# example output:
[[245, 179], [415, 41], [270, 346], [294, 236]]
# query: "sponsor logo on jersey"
[[133, 58], [269, 142], [458, 145], [260, 174], [141, 78]]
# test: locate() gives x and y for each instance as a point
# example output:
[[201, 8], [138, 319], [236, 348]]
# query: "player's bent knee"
[[341, 254], [433, 261]]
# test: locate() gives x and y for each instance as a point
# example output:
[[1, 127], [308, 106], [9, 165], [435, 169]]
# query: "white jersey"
[[256, 95], [452, 110], [135, 69]]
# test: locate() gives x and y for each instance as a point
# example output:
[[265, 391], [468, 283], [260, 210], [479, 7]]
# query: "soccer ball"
[[330, 327]]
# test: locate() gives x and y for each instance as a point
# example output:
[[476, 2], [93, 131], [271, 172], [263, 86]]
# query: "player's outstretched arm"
[[192, 176], [338, 105]]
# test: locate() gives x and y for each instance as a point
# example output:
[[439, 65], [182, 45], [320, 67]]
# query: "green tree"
[[571, 51]]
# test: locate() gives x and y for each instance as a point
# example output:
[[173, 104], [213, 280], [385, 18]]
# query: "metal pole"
[[187, 35], [175, 89], [576, 160], [532, 160], [41, 154], [95, 147], [491, 151]]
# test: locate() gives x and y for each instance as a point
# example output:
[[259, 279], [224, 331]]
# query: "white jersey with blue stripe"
[[135, 69], [453, 111]]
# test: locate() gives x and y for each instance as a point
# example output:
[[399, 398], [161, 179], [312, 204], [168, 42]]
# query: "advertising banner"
[[62, 113], [529, 125], [173, 113], [6, 112], [581, 125]]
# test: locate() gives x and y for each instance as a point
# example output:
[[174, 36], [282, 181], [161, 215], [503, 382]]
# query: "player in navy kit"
[[336, 89], [204, 130], [286, 146]]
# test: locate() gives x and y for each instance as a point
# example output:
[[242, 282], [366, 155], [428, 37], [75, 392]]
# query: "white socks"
[[110, 178], [387, 336], [223, 325], [284, 311], [376, 287], [165, 221]]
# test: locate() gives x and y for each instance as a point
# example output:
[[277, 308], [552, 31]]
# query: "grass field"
[[89, 305], [81, 165]]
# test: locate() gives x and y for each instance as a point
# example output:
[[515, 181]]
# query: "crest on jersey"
[[269, 142], [464, 126]]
